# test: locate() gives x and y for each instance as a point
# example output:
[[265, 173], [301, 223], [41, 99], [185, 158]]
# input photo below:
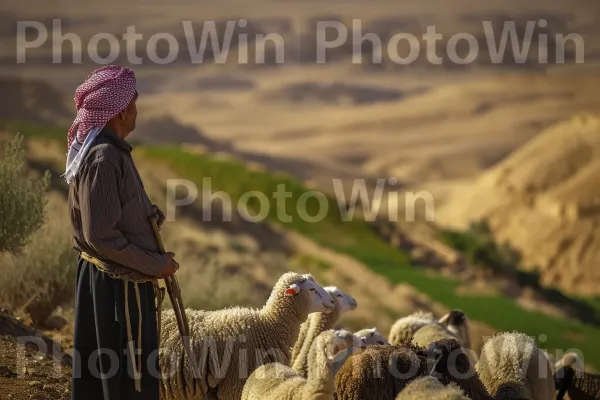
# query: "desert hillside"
[[543, 199]]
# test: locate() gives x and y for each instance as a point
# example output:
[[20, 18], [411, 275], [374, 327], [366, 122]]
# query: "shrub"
[[22, 200], [481, 250], [41, 277]]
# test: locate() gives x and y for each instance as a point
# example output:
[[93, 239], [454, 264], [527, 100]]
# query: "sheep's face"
[[359, 343], [374, 337], [343, 300], [319, 299], [341, 340]]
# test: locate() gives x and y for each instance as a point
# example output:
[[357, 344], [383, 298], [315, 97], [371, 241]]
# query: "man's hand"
[[171, 266], [160, 217]]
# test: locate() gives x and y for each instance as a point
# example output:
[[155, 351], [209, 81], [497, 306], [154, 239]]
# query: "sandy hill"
[[544, 200]]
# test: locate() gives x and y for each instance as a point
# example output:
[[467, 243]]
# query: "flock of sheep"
[[289, 350]]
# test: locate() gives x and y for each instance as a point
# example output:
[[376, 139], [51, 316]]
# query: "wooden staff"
[[174, 291]]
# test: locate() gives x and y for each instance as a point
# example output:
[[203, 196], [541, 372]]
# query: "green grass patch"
[[481, 250], [358, 240], [34, 130], [236, 180]]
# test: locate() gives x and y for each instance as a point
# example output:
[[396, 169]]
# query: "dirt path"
[[25, 372]]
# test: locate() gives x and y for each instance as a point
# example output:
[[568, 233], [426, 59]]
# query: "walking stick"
[[174, 291]]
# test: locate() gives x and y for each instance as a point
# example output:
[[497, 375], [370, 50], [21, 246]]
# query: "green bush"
[[22, 200], [481, 250]]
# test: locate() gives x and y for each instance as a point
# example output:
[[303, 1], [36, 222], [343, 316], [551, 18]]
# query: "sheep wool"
[[430, 388], [279, 382], [431, 333], [317, 323], [512, 366], [453, 365], [403, 329], [570, 378], [379, 372], [231, 343]]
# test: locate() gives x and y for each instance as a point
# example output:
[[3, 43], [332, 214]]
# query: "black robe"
[[100, 324]]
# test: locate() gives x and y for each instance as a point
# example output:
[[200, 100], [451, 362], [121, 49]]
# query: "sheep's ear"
[[292, 290]]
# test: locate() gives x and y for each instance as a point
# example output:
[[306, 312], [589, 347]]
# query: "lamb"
[[362, 339], [372, 336], [317, 323], [380, 372], [344, 302], [571, 378], [403, 329], [430, 388], [276, 381], [512, 366], [231, 343]]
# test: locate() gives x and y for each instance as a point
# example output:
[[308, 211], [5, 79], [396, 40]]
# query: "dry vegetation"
[[41, 277]]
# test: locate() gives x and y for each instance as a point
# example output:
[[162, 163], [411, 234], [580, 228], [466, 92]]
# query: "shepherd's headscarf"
[[105, 93]]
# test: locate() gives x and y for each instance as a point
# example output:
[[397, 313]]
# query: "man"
[[119, 257]]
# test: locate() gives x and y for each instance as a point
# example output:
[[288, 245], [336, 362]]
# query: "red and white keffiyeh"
[[106, 92]]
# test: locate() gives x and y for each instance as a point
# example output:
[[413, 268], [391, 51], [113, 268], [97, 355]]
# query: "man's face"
[[130, 116]]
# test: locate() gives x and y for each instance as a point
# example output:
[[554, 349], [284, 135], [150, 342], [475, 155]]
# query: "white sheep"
[[512, 366], [276, 381], [430, 388], [372, 336], [362, 339], [570, 378], [317, 323], [404, 328], [231, 343]]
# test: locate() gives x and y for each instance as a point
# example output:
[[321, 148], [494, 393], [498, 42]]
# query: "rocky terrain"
[[543, 200]]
